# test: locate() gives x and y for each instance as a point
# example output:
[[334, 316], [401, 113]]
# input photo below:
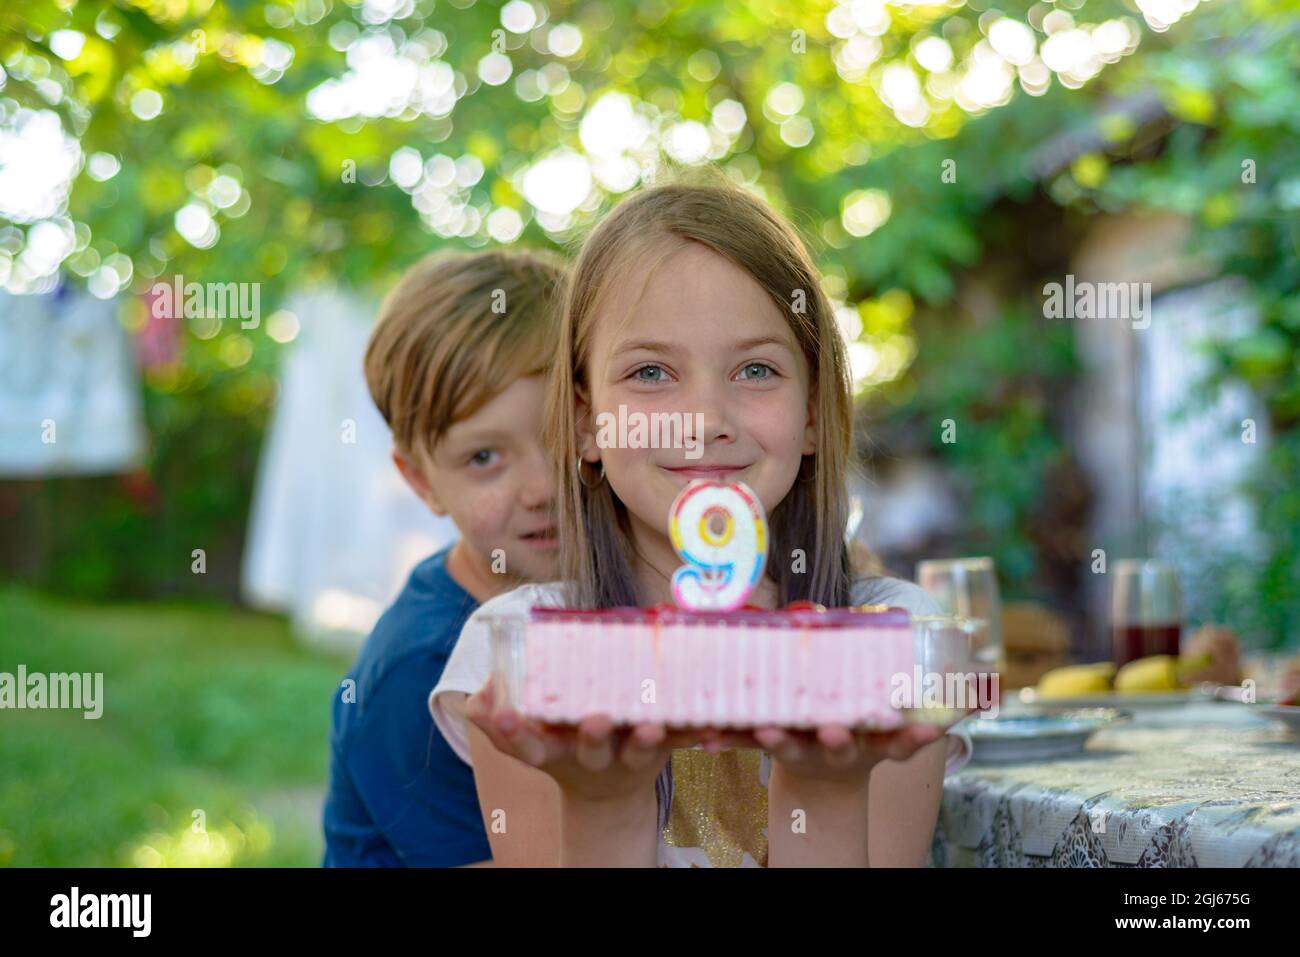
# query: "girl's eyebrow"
[[744, 345], [648, 345], [747, 344]]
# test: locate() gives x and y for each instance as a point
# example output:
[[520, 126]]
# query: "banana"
[[1149, 675], [1158, 673], [1076, 680]]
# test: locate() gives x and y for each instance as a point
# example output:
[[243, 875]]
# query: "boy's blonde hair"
[[455, 331], [595, 538]]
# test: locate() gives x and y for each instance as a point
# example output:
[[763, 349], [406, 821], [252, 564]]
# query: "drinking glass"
[[968, 588], [1146, 610], [946, 649]]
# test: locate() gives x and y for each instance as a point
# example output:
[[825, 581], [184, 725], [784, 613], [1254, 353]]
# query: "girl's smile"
[[717, 473]]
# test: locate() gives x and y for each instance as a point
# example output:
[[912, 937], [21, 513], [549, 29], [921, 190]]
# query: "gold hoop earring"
[[599, 478]]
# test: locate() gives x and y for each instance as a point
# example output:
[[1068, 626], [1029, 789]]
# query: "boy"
[[455, 366]]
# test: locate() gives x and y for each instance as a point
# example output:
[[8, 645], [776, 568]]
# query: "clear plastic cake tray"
[[870, 670]]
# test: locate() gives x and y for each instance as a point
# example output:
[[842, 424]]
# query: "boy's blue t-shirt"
[[398, 794]]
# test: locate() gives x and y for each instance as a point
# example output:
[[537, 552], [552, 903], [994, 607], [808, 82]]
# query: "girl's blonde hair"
[[594, 532]]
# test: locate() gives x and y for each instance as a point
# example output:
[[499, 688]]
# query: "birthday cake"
[[712, 660], [802, 666]]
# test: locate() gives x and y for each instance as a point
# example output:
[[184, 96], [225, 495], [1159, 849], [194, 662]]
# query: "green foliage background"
[[1218, 88]]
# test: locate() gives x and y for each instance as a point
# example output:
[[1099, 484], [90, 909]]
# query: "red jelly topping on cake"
[[804, 614]]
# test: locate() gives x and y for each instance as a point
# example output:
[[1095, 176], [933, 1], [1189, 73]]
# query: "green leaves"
[[1199, 120]]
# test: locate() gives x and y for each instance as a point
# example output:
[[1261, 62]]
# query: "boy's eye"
[[757, 370], [657, 374], [482, 457]]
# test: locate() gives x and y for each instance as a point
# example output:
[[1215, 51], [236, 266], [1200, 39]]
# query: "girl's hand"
[[593, 760], [835, 753]]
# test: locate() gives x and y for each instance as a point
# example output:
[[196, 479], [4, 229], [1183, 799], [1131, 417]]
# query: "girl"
[[695, 299]]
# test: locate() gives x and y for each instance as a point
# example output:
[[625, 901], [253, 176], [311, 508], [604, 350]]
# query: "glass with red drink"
[[1146, 610]]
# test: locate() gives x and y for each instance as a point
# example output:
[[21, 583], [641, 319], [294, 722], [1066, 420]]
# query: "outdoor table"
[[1199, 785]]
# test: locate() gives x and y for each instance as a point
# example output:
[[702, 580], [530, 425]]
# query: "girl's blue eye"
[[642, 378], [762, 369], [482, 457]]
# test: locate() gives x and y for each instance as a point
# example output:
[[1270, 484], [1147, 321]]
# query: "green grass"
[[205, 709]]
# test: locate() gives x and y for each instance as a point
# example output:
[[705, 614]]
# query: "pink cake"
[[798, 667]]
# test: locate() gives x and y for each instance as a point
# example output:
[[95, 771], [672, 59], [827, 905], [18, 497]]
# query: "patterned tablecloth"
[[1198, 786]]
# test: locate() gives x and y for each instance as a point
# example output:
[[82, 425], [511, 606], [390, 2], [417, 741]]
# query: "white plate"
[[1115, 699], [1037, 736]]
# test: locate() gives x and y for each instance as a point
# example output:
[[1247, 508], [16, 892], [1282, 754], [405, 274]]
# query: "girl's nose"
[[710, 407]]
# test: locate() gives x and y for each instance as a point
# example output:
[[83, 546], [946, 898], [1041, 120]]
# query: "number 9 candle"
[[722, 566]]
